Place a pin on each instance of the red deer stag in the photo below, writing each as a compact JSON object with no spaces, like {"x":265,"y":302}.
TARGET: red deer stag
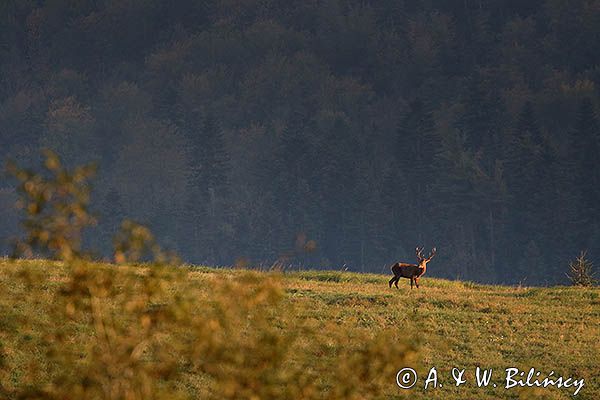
{"x":411,"y":271}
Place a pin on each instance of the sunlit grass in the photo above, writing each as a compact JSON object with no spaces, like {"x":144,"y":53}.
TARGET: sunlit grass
{"x":310,"y":330}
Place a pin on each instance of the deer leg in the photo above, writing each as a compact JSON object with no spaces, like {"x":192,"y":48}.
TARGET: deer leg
{"x":417,"y":282}
{"x":411,"y":283}
{"x":396,"y":282}
{"x":392,"y":280}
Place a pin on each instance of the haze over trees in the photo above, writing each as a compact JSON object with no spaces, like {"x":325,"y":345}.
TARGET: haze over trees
{"x":328,"y":133}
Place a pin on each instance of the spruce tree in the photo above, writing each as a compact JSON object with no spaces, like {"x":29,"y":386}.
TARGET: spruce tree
{"x":531,"y":179}
{"x":583,"y":156}
{"x":209,"y":186}
{"x":336,"y":158}
{"x":415,"y":153}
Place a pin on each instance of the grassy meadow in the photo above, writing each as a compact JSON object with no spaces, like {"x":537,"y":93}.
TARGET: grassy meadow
{"x":102,"y":331}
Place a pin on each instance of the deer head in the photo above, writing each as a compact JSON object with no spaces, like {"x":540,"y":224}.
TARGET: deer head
{"x":422,"y":259}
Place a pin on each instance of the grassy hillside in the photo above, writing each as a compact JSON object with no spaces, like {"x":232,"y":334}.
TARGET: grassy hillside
{"x":193,"y":332}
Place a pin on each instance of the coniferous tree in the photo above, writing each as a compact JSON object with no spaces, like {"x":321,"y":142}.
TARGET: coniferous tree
{"x":531,"y":182}
{"x":524,"y":157}
{"x":481,"y":120}
{"x":337,"y":189}
{"x":584,"y":155}
{"x":214,"y":158}
{"x":209,"y":185}
{"x":287,"y":172}
{"x":415,"y":153}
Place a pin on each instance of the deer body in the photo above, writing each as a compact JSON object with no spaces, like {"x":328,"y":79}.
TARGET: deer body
{"x":411,"y":271}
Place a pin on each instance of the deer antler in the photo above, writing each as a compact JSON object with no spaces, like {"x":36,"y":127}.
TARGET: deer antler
{"x":419,"y":251}
{"x":432,"y":254}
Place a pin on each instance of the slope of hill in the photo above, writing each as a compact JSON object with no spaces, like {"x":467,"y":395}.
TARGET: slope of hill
{"x":99,"y":331}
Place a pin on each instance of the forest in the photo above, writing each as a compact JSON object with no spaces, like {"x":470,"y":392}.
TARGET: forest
{"x":322,"y":134}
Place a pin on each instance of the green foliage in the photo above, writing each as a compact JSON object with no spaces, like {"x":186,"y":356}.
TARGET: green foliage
{"x":581,"y":271}
{"x":55,"y":203}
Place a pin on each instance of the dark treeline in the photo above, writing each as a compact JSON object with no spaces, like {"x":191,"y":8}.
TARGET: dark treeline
{"x":328,"y":132}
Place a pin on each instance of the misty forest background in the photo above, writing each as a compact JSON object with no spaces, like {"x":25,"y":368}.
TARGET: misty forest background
{"x":322,"y":133}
